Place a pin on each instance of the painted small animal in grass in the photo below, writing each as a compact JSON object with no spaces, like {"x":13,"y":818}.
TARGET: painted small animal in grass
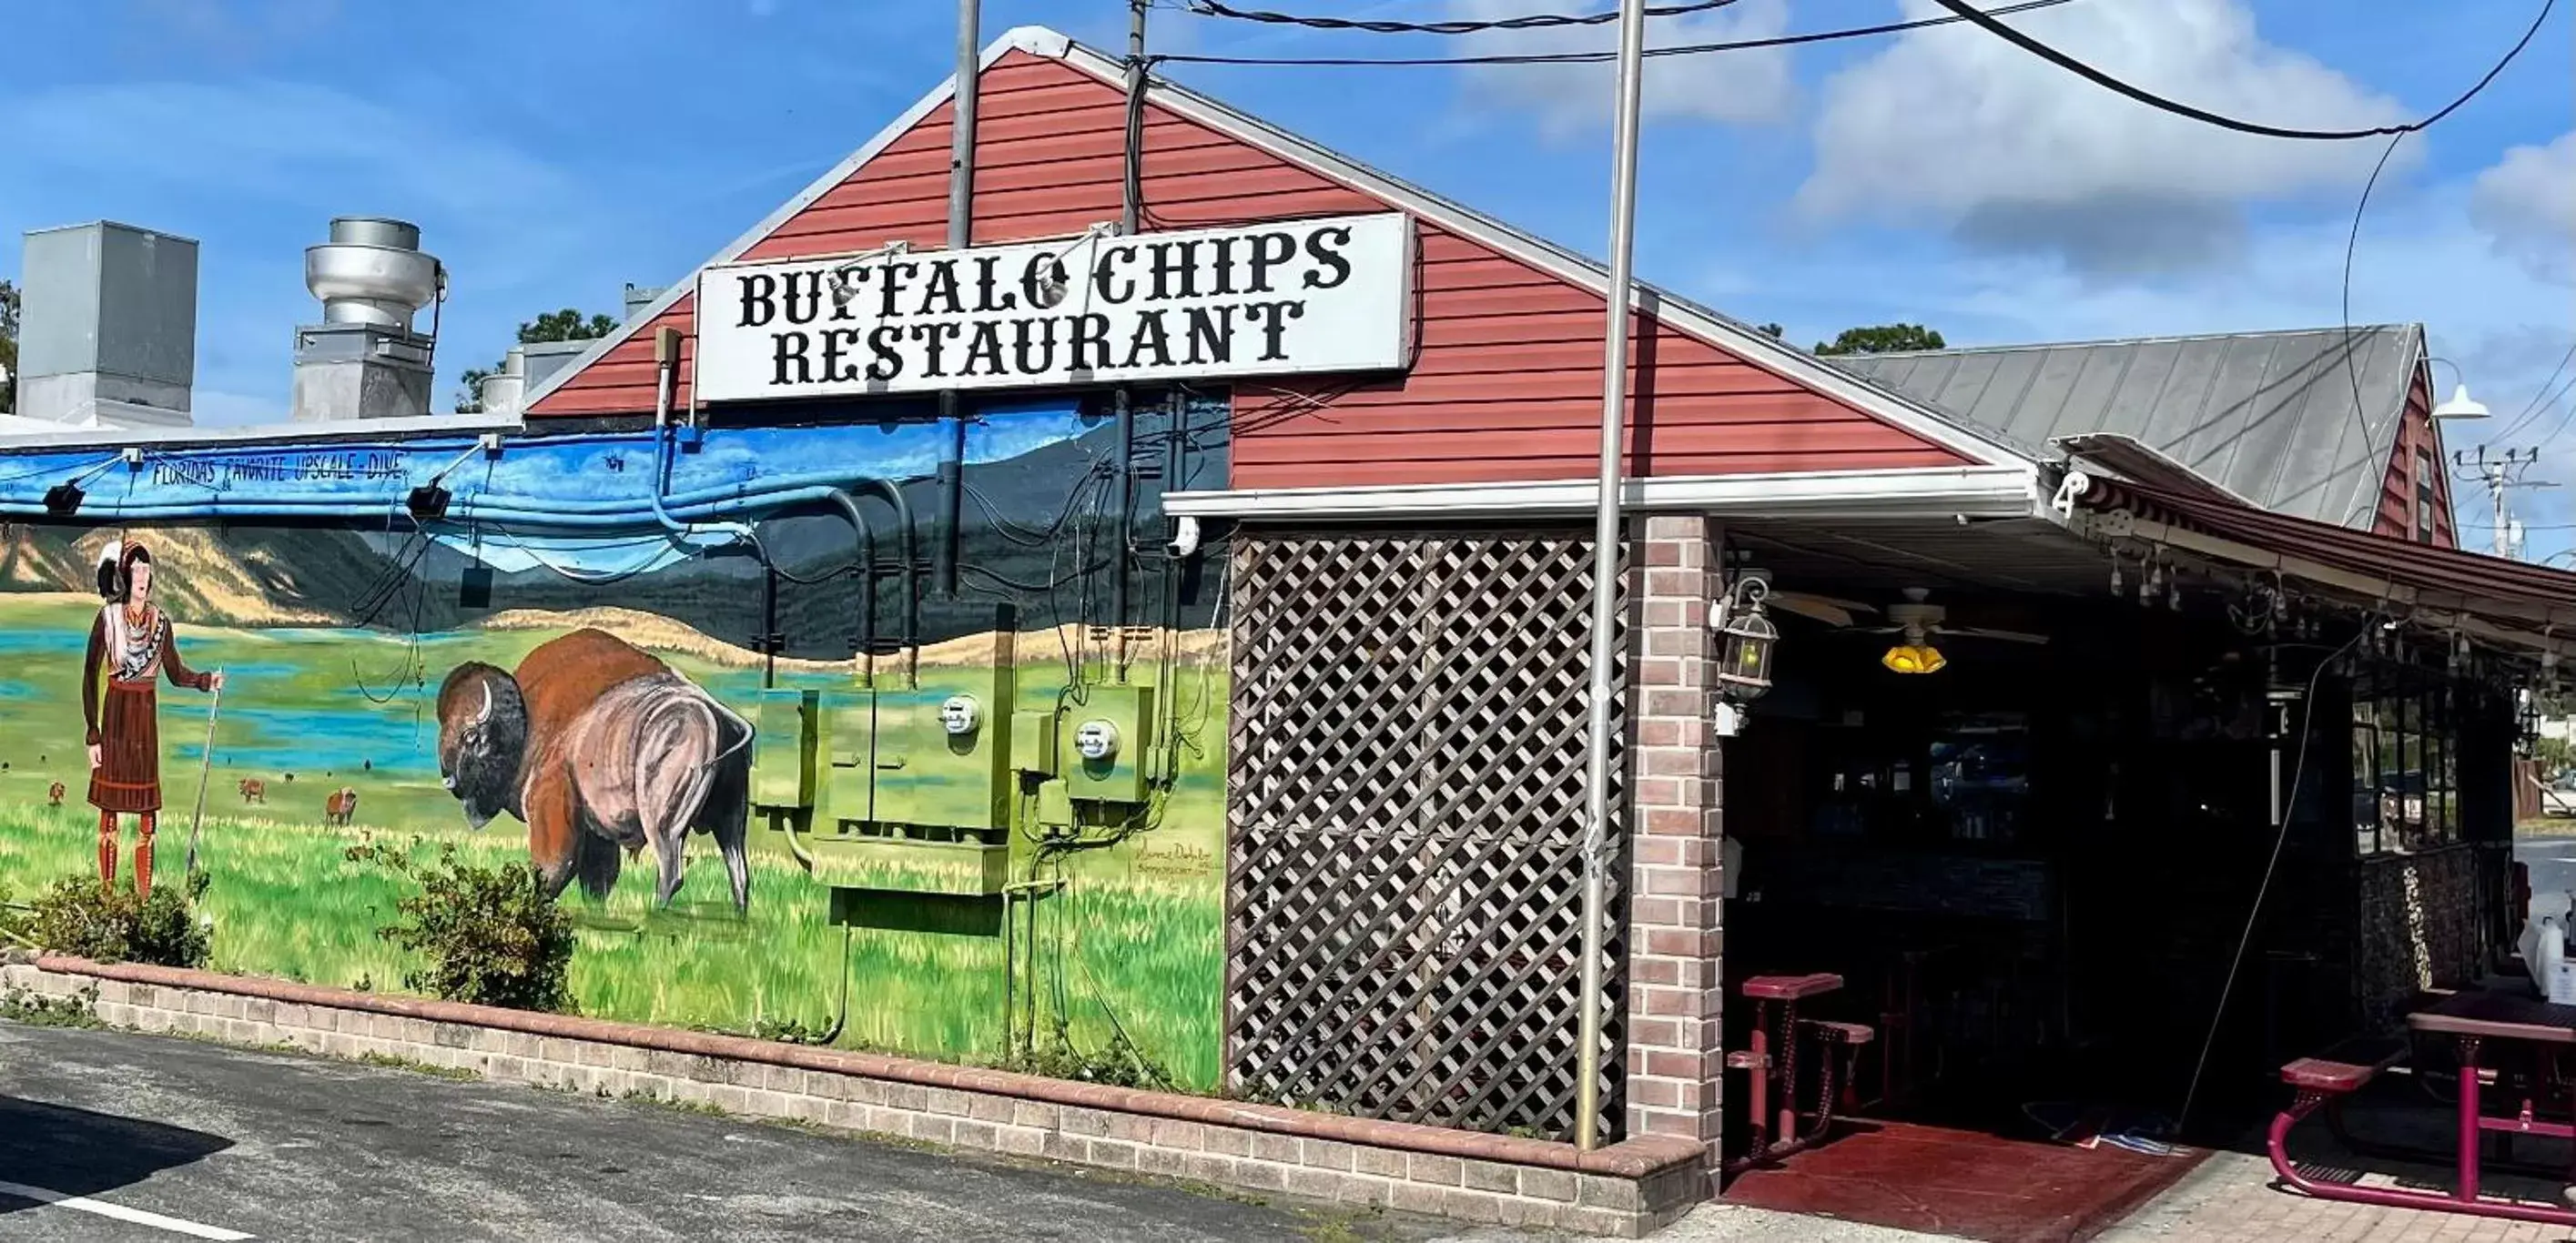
{"x":342,"y":805}
{"x":54,"y":795}
{"x":254,"y":790}
{"x":598,"y":746}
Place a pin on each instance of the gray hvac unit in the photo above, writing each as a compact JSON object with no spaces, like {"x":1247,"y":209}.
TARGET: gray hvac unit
{"x":109,"y":326}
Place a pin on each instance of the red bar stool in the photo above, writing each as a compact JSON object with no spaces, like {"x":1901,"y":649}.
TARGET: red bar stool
{"x":1776,"y":1025}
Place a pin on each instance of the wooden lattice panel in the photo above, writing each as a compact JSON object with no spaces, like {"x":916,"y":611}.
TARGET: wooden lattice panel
{"x":1405,"y":816}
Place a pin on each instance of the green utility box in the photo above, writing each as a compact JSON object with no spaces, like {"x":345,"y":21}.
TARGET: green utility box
{"x":905,"y":859}
{"x":782,"y":757}
{"x":1123,"y":776}
{"x":928,"y":776}
{"x":845,"y":764}
{"x":1033,"y":741}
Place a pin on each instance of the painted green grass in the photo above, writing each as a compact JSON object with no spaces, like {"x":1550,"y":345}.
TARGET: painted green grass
{"x":1134,"y":941}
{"x":285,"y":903}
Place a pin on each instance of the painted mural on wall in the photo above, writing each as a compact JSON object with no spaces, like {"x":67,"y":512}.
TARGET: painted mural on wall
{"x":744,"y":740}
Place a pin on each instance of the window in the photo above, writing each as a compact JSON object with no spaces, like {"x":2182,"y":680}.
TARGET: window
{"x":2427,"y":499}
{"x":2403,"y":770}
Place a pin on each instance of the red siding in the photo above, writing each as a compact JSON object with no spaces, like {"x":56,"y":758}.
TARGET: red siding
{"x":2416,"y":460}
{"x":1506,"y":384}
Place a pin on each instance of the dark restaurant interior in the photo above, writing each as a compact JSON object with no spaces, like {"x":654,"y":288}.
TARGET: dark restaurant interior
{"x":2032,"y":866}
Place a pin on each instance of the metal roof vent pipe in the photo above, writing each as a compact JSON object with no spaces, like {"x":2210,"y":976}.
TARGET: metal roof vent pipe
{"x":364,"y":361}
{"x":504,"y":391}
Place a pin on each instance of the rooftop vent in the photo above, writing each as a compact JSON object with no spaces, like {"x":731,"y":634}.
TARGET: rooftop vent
{"x":364,"y":361}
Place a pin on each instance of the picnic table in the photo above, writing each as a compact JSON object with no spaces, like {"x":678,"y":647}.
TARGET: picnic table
{"x":2473,"y":1020}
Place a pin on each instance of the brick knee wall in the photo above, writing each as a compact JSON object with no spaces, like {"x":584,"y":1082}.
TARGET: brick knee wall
{"x":1626,"y":1189}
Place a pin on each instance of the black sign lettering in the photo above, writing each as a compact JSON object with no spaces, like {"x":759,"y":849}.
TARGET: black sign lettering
{"x":1273,"y":318}
{"x":1211,"y":335}
{"x":1028,"y":333}
{"x":1104,"y":271}
{"x":1269,"y":250}
{"x":1090,"y":332}
{"x":759,"y":300}
{"x":845,"y":284}
{"x":1176,"y":270}
{"x":939,"y":297}
{"x":1324,"y":246}
{"x":804,"y":297}
{"x":1150,"y":334}
{"x":892,"y":286}
{"x":1094,"y":309}
{"x":985,"y":348}
{"x":988,"y":299}
{"x":1224,"y":248}
{"x":885,"y":341}
{"x":934,"y":339}
{"x":790,"y":352}
{"x":838,"y":367}
{"x":1044,"y":281}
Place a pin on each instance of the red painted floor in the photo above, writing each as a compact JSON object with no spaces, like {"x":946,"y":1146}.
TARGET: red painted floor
{"x":1964,"y":1183}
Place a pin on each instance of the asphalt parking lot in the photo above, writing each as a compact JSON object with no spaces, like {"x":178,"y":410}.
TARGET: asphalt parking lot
{"x":126,"y":1137}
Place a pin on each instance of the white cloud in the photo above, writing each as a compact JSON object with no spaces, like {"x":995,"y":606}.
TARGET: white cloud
{"x":2527,"y":205}
{"x":1956,"y":128}
{"x":1755,"y":86}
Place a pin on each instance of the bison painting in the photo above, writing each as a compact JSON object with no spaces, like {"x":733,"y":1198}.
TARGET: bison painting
{"x":254,"y":790}
{"x":597,"y":746}
{"x":342,"y":805}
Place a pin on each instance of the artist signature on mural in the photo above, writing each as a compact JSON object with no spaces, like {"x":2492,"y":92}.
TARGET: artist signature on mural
{"x":1175,"y":859}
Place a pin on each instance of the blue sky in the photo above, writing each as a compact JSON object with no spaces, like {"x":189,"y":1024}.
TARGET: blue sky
{"x":553,"y":150}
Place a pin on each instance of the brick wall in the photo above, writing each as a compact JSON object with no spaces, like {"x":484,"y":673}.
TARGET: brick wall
{"x":1675,"y":1062}
{"x":1625,"y":1189}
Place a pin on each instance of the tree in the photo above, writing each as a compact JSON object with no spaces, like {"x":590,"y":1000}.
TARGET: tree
{"x":1883,"y":339}
{"x":9,"y":346}
{"x":564,"y":325}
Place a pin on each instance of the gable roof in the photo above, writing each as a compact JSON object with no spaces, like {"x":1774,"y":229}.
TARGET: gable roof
{"x":1921,"y":419}
{"x":2298,"y":422}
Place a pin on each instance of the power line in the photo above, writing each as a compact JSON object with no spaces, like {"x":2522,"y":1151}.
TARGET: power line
{"x":1987,"y":22}
{"x":2565,"y":419}
{"x":1534,"y":21}
{"x":2541,"y":398}
{"x":2351,"y":242}
{"x":1595,"y":58}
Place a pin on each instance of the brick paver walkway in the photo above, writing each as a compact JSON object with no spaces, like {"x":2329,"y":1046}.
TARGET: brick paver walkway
{"x":2229,"y":1199}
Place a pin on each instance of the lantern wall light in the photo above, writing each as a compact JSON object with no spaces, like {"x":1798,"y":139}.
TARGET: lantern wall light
{"x":1746,"y":639}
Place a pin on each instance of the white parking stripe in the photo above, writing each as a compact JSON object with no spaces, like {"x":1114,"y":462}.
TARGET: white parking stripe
{"x":174,"y":1225}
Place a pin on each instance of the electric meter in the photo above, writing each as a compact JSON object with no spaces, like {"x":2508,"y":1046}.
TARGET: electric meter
{"x":1096,"y":741}
{"x":960,"y":715}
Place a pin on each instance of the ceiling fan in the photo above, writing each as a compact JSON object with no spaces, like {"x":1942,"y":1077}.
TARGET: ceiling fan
{"x":1915,"y":619}
{"x":1919,"y":620}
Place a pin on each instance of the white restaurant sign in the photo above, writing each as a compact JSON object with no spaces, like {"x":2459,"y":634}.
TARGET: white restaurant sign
{"x":1303,"y":296}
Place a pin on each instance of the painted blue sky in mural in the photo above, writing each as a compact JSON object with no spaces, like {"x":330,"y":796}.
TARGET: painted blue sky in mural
{"x":584,"y":502}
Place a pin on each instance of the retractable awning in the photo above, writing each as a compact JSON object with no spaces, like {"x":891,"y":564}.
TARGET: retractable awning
{"x":2502,"y":602}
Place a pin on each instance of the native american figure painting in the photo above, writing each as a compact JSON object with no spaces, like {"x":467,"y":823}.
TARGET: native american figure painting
{"x":130,"y":649}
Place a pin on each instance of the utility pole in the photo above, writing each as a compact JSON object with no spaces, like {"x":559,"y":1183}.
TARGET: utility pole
{"x":1606,"y":542}
{"x":2501,"y":473}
